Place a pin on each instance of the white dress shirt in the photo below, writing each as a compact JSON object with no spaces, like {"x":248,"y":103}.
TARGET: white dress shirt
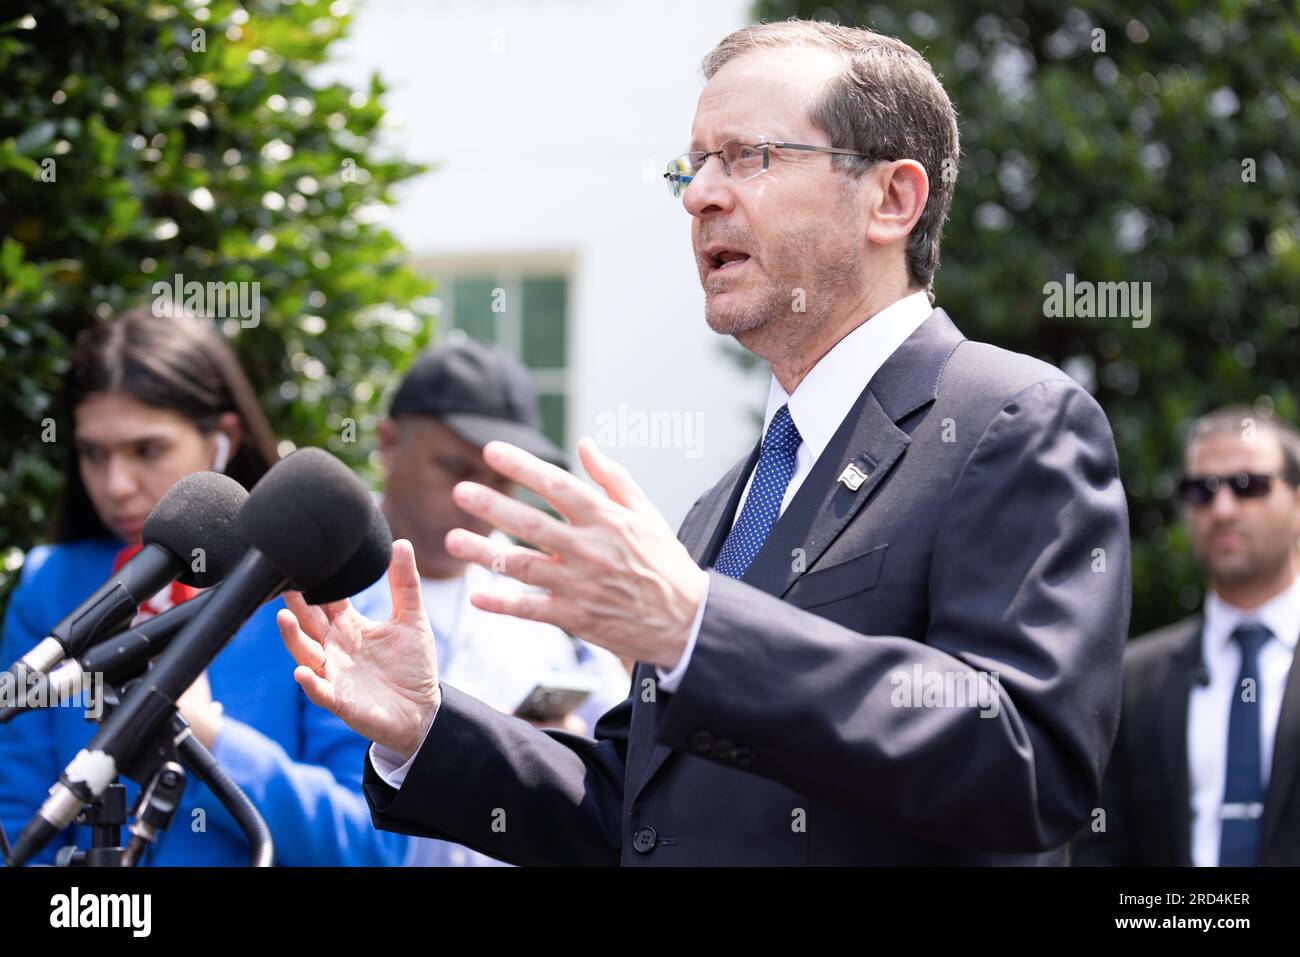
{"x":818,"y":407}
{"x":1209,"y":705}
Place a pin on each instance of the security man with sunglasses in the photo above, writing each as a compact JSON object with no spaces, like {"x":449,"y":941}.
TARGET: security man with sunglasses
{"x":1204,"y":771}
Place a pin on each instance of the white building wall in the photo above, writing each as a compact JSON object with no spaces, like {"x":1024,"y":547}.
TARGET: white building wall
{"x":550,"y":123}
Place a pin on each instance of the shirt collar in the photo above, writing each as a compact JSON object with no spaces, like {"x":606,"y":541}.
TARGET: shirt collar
{"x":1280,"y":614}
{"x":822,"y":400}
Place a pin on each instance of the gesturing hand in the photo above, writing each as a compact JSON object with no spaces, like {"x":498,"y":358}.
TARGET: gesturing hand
{"x":380,"y":677}
{"x":616,"y":574}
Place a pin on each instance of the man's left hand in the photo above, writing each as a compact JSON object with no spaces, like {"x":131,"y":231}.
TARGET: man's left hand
{"x":616,"y":574}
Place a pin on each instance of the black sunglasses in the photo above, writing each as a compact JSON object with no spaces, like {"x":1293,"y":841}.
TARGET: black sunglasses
{"x":1200,"y":490}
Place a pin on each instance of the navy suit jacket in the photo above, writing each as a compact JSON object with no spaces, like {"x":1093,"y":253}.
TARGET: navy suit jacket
{"x":989,"y":536}
{"x":1146,"y":793}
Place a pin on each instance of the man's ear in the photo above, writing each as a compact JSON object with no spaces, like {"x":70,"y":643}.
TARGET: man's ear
{"x":899,"y":201}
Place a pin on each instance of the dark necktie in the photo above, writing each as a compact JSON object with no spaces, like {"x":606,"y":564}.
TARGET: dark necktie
{"x":1243,"y":791}
{"x":763,"y":503}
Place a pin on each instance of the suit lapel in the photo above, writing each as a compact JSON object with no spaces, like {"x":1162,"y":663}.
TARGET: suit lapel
{"x":868,"y":438}
{"x":1286,"y":756}
{"x":1185,"y":669}
{"x":823,"y":506}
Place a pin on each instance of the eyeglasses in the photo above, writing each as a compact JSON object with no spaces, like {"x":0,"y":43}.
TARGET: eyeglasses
{"x":747,"y":160}
{"x":1200,"y":490}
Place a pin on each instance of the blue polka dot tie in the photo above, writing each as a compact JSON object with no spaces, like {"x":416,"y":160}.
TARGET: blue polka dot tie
{"x":1243,"y":792}
{"x":763,"y":503}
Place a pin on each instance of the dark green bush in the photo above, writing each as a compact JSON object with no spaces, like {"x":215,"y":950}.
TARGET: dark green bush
{"x":142,"y":140}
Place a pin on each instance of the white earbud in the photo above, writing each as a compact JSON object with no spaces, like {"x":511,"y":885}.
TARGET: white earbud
{"x":220,"y":460}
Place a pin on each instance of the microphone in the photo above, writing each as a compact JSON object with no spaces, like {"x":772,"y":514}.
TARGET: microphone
{"x":124,"y":656}
{"x":117,"y":658}
{"x":301,"y":523}
{"x":366,"y":566}
{"x":197,"y":513}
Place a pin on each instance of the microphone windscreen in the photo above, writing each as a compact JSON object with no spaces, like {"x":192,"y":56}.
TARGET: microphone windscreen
{"x":307,"y":515}
{"x":199,"y":512}
{"x":366,"y":566}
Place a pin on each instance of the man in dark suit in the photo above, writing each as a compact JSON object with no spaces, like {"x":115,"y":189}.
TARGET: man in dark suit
{"x":891,"y":634}
{"x":1204,"y":771}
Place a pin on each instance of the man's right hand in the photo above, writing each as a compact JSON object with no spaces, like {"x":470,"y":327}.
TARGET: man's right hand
{"x":381,"y":678}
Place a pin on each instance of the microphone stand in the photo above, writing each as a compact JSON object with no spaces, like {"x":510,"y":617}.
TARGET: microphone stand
{"x":160,"y":772}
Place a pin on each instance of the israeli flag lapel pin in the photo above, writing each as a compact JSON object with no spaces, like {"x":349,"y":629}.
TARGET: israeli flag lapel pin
{"x":852,"y":478}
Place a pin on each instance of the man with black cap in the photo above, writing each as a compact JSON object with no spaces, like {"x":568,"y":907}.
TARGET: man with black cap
{"x":453,"y":401}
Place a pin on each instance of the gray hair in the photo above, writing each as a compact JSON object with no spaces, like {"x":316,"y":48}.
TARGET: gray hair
{"x":886,"y":102}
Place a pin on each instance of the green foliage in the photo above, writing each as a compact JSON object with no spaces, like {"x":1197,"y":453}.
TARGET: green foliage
{"x":193,"y":138}
{"x":1169,"y":158}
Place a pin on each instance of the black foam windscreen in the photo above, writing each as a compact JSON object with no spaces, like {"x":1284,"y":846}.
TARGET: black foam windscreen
{"x":366,"y":566}
{"x":307,"y":515}
{"x":199,"y":512}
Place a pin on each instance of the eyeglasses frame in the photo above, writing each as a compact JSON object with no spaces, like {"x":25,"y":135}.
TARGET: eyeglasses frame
{"x":766,"y":146}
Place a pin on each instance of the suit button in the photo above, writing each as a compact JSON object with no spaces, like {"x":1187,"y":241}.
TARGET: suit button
{"x":645,"y":839}
{"x":702,"y":742}
{"x":743,"y":757}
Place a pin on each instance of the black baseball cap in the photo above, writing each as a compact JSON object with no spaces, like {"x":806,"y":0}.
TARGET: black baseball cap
{"x":479,"y":392}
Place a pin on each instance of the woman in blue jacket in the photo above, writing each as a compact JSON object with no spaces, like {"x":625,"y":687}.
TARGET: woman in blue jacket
{"x":150,"y":400}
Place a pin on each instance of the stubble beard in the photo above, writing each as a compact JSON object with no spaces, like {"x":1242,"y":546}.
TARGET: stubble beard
{"x":1259,"y":562}
{"x":766,"y":320}
{"x":746,"y":313}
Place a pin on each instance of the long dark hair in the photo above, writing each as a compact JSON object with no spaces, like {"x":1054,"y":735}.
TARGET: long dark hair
{"x":173,"y":362}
